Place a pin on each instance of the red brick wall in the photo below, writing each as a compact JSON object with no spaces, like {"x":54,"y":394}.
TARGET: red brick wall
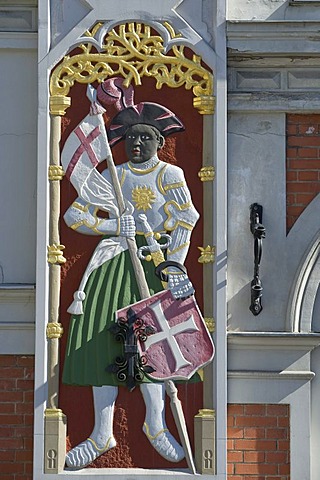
{"x":258,"y":435}
{"x":16,"y":417}
{"x":303,"y":163}
{"x":258,"y":442}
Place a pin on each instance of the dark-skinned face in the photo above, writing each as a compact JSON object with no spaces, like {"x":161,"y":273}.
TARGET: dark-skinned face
{"x":142,"y":143}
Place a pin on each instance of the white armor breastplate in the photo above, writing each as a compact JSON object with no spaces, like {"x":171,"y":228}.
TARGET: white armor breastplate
{"x":143,"y":189}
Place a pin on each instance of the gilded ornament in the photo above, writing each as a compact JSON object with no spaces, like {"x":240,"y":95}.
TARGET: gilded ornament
{"x":55,"y":172}
{"x":132,"y":51}
{"x":207,"y":174}
{"x":206,"y":412}
{"x":157,"y":257}
{"x":54,"y":330}
{"x":211,"y":324}
{"x":55,"y":254}
{"x":205,"y":104}
{"x":207,"y":254}
{"x":59,"y":104}
{"x":53,"y":413}
{"x":143,"y":197}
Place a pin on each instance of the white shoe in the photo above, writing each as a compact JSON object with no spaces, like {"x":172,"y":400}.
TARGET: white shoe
{"x":86,"y":452}
{"x":165,"y":444}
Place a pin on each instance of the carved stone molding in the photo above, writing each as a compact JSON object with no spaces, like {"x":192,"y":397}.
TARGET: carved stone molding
{"x":252,"y":79}
{"x":17,"y":293}
{"x":18,"y":18}
{"x":277,"y":37}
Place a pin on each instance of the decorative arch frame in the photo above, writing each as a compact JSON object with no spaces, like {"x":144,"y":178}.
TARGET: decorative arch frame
{"x":132,"y":52}
{"x":306,"y":289}
{"x":304,"y":269}
{"x":161,"y":56}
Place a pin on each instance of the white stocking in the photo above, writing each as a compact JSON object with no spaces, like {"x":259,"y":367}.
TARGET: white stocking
{"x":155,"y":426}
{"x":104,"y":400}
{"x":101,"y":439}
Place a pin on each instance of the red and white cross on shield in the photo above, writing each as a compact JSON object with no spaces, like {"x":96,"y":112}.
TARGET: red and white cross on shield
{"x":181,"y":343}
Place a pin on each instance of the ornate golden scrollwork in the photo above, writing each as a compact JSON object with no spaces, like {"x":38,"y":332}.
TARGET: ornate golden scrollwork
{"x":211,"y":324}
{"x":55,"y":172}
{"x":54,"y":330}
{"x":207,"y":254}
{"x":132,"y":51}
{"x":207,"y":174}
{"x":55,"y":254}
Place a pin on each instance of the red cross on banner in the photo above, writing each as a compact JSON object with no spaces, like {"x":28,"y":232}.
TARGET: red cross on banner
{"x":85,"y":146}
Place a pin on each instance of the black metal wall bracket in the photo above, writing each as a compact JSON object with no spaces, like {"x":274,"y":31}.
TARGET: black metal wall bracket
{"x":259,"y":232}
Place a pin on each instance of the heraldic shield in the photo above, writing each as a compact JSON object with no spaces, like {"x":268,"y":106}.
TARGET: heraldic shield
{"x":170,"y":336}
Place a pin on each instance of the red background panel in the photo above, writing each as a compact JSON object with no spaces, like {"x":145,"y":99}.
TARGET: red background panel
{"x":185,"y":150}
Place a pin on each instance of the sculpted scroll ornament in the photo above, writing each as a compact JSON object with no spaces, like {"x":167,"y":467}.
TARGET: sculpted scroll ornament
{"x":133,"y":51}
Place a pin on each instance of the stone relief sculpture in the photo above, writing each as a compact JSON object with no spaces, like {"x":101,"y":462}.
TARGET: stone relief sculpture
{"x":144,"y":198}
{"x":114,"y":206}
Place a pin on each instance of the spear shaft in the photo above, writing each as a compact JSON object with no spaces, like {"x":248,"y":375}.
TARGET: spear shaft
{"x":131,"y":242}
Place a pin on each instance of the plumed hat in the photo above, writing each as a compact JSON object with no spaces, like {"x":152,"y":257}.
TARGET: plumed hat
{"x":147,"y":113}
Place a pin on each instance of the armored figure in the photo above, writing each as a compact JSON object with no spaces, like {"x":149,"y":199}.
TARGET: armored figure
{"x":157,"y":191}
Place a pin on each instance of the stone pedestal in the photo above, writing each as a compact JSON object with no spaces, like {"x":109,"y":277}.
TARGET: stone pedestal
{"x":204,"y":439}
{"x":55,"y":441}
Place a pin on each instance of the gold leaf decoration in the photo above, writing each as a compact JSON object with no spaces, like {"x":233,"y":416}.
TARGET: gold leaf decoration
{"x":143,"y":197}
{"x":207,"y":174}
{"x":132,"y":51}
{"x":55,"y":254}
{"x":54,"y":330}
{"x":207,"y":254}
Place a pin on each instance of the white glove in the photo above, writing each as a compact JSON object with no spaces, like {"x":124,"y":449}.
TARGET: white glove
{"x":179,"y":283}
{"x":127,"y":226}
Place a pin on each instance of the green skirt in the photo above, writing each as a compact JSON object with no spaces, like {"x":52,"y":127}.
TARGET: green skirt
{"x":91,"y":348}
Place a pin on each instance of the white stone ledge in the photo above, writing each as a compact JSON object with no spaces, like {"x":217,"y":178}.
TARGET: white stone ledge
{"x":19,"y":40}
{"x":17,"y":338}
{"x":273,"y":36}
{"x":17,"y":326}
{"x":307,"y":102}
{"x":273,"y":340}
{"x":248,"y":60}
{"x":304,"y":2}
{"x":127,"y":474}
{"x":17,"y":293}
{"x":260,"y":375}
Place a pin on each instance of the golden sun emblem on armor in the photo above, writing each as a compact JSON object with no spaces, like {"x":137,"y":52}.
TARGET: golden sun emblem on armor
{"x":143,"y":197}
